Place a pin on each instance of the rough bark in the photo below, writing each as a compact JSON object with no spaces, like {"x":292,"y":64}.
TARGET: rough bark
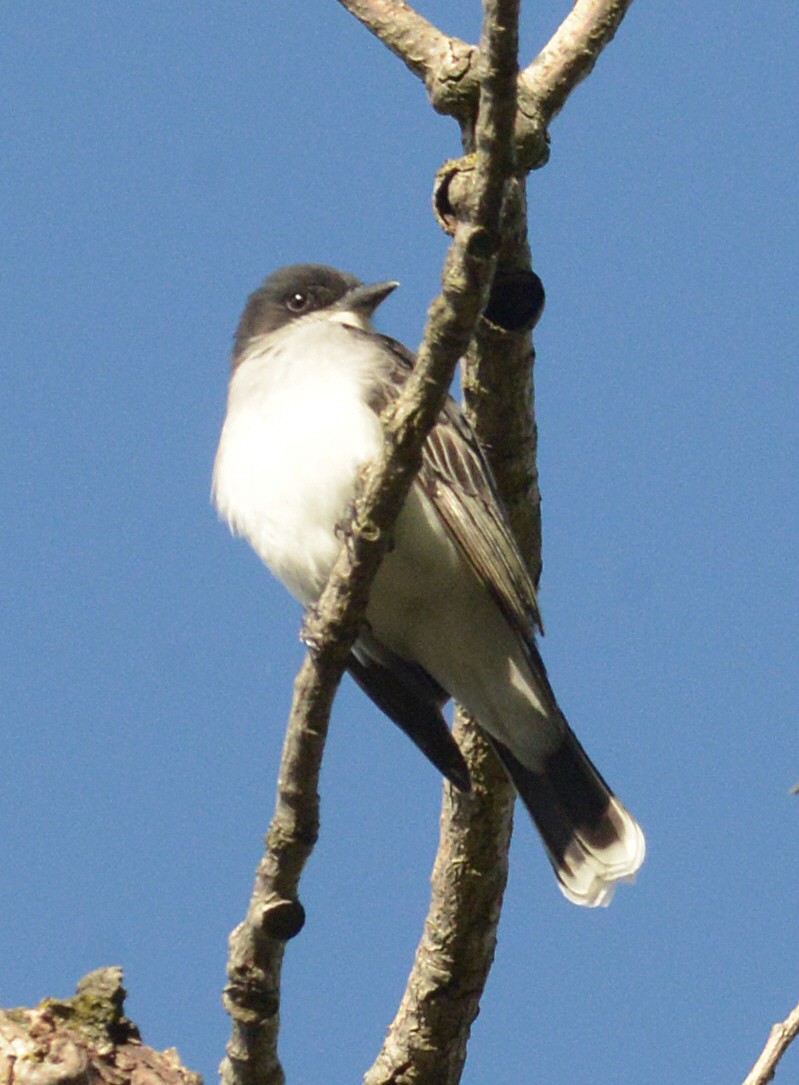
{"x":84,"y":1040}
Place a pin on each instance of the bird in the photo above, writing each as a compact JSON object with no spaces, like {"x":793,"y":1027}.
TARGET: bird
{"x":453,"y":612}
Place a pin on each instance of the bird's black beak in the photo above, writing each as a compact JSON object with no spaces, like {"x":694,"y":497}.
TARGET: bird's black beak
{"x":366,"y":298}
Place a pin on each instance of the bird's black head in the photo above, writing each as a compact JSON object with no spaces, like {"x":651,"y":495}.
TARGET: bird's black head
{"x":295,"y":291}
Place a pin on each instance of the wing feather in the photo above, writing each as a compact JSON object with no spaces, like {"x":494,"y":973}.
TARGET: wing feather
{"x":456,"y":477}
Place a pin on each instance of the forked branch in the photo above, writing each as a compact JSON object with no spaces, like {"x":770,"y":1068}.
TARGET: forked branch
{"x":450,"y":67}
{"x":252,"y":996}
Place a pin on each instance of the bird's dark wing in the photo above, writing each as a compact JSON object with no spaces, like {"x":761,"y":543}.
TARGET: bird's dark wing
{"x":413,"y":700}
{"x":456,"y":477}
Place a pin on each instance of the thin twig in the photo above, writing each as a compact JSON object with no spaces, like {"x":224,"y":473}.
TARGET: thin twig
{"x":252,"y":996}
{"x":780,"y":1039}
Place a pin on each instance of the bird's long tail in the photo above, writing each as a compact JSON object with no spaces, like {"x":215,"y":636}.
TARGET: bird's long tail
{"x":592,"y":841}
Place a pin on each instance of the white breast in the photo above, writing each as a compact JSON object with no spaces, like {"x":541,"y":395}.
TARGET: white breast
{"x":296,"y":431}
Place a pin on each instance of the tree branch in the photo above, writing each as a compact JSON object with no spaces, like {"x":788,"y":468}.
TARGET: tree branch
{"x":568,"y":58}
{"x":450,"y":67}
{"x":426,"y":1042}
{"x":274,"y":915}
{"x":446,"y":65}
{"x":780,"y":1039}
{"x":84,"y":1040}
{"x":252,"y":995}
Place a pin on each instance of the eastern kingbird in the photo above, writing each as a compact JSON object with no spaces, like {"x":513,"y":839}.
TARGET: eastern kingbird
{"x":453,"y":612}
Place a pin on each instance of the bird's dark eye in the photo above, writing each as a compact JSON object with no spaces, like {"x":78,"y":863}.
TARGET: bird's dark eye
{"x":298,"y":301}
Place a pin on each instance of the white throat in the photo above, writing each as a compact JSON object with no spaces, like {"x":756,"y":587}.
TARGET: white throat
{"x":298,"y":427}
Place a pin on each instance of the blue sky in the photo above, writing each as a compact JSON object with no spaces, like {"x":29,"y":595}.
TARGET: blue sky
{"x":161,"y":159}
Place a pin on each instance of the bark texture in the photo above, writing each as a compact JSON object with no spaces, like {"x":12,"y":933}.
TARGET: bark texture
{"x":484,"y":315}
{"x":84,"y":1040}
{"x":780,"y":1039}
